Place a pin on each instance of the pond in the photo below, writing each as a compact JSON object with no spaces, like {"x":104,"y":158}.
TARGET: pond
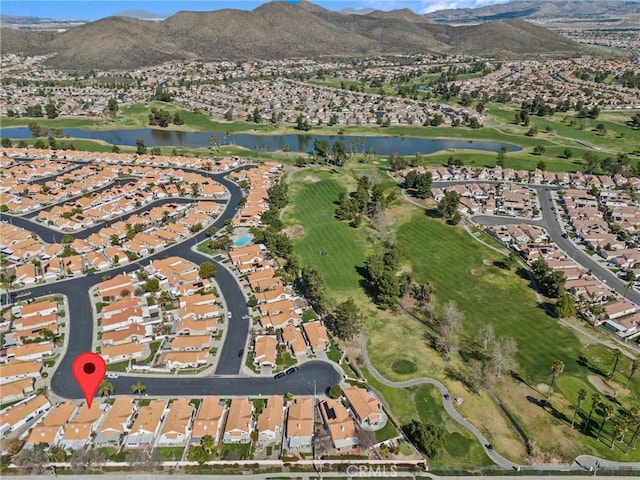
{"x":380,"y":145}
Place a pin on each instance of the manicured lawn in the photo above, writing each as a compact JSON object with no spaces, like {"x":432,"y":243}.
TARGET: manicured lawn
{"x":112,"y":454}
{"x":118,"y":366}
{"x":404,"y":367}
{"x":171,"y":454}
{"x":333,"y":353}
{"x":386,"y":432}
{"x":312,"y":207}
{"x":234,"y":451}
{"x":497,"y":297}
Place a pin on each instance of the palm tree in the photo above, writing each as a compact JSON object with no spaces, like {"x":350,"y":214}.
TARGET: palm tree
{"x":556,"y":369}
{"x":208,"y":443}
{"x":607,"y":413}
{"x":582,"y":395}
{"x":138,"y":388}
{"x":634,"y":369}
{"x":595,"y":401}
{"x":106,"y":388}
{"x":619,"y":431}
{"x":617,"y":354}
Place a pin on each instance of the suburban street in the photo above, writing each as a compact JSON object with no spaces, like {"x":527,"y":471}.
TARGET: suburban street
{"x":551,"y":224}
{"x":81,"y":326}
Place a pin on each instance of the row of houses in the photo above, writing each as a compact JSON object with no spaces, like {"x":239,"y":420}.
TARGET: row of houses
{"x":594,"y":300}
{"x":125,"y":423}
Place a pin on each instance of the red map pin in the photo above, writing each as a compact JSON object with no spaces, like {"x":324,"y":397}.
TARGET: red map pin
{"x":89,"y":369}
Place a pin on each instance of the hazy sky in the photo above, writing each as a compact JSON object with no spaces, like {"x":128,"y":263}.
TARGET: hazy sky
{"x":92,"y":10}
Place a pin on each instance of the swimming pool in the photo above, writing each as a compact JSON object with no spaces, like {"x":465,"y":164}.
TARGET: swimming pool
{"x":243,"y":240}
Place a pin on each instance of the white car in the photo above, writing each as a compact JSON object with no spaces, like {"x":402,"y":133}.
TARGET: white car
{"x":112,"y":375}
{"x":229,"y":314}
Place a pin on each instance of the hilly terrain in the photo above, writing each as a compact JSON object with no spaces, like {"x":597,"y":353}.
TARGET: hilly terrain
{"x":276,"y":30}
{"x":542,"y":11}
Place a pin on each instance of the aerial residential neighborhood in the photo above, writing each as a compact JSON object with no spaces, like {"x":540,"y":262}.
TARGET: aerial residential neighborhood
{"x":298,"y":239}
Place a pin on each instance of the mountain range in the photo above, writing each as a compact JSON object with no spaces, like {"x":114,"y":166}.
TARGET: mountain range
{"x":276,"y":30}
{"x":540,"y":11}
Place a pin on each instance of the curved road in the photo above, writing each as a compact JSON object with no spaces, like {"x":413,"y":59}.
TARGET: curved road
{"x":448,"y":405}
{"x":81,"y":330}
{"x":555,"y":230}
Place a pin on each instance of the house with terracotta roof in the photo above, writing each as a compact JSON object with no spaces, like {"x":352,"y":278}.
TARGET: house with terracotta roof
{"x":11,"y":392}
{"x":131,"y":334}
{"x":265,"y":351}
{"x":177,"y":424}
{"x":30,"y":351}
{"x":365,"y":408}
{"x":79,"y":431}
{"x":15,"y":370}
{"x":16,"y":416}
{"x":115,"y":422}
{"x":188,"y":326}
{"x":270,"y":420}
{"x":209,"y":419}
{"x":188,"y":359}
{"x":49,"y":431}
{"x":119,"y":353}
{"x":146,"y":425}
{"x":116,"y":285}
{"x":300,"y":424}
{"x":26,"y":274}
{"x":341,"y":426}
{"x":293,"y":339}
{"x":185,"y":343}
{"x":125,"y":318}
{"x":36,"y":309}
{"x":317,"y":335}
{"x":240,"y":423}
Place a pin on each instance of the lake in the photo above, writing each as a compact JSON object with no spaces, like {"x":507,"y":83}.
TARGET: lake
{"x":381,"y":145}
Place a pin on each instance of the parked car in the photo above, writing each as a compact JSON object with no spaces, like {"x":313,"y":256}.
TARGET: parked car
{"x":229,"y":314}
{"x":112,"y":375}
{"x":279,"y":375}
{"x":291,"y":370}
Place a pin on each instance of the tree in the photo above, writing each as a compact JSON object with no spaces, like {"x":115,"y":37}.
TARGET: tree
{"x":595,"y":402}
{"x":5,"y":142}
{"x":106,"y":388}
{"x":607,"y":413}
{"x":487,"y":334}
{"x":619,"y":431}
{"x":208,"y":443}
{"x":448,"y":206}
{"x":347,"y":319}
{"x":617,"y":354}
{"x":582,"y":396}
{"x":335,"y":391}
{"x":556,"y":369}
{"x":56,"y":454}
{"x":138,"y":388}
{"x":539,"y":150}
{"x":140,"y":147}
{"x":207,"y":270}
{"x":312,"y":286}
{"x":112,"y":106}
{"x":565,"y":306}
{"x":502,"y":355}
{"x":568,"y":153}
{"x":228,"y":115}
{"x":197,"y":454}
{"x":51,"y":109}
{"x":634,"y":369}
{"x":31,"y":461}
{"x":427,"y":437}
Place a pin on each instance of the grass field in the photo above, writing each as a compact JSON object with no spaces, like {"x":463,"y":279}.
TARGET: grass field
{"x":445,"y":256}
{"x":312,"y":207}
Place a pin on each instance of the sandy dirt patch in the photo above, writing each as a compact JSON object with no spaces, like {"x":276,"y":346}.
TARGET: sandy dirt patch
{"x":488,"y":262}
{"x":477,"y":273}
{"x":601,"y":385}
{"x":294,"y":232}
{"x":543,"y":388}
{"x":311,"y":179}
